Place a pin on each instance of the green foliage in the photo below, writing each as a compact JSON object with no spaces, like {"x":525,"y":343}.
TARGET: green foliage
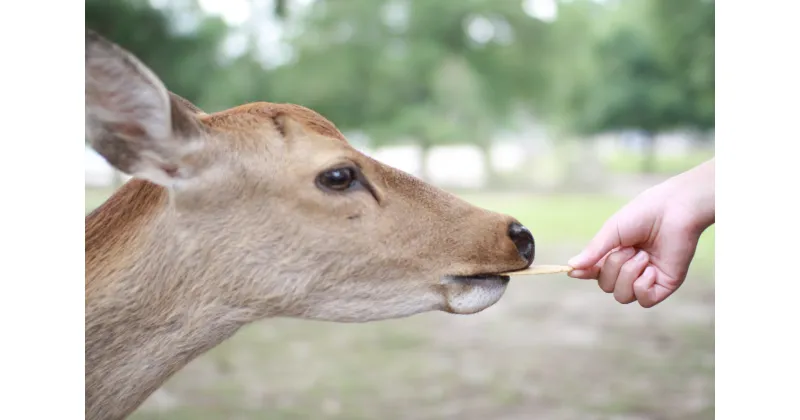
{"x":684,"y":35}
{"x":438,"y":72}
{"x":409,"y":68}
{"x":647,"y":65}
{"x":187,"y":60}
{"x":634,"y":90}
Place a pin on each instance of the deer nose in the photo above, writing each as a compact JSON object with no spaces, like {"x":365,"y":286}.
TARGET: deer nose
{"x":523,"y":239}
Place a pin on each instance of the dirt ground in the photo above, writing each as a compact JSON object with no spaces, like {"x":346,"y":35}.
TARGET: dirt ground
{"x":553,"y":348}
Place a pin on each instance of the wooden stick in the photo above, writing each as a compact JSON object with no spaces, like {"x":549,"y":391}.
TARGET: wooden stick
{"x":540,"y":269}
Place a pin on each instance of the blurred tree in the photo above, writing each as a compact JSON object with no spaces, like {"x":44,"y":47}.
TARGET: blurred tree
{"x":280,"y":8}
{"x":634,"y":91}
{"x":184,"y":61}
{"x":431,"y":72}
{"x":183,"y":46}
{"x":569,"y":61}
{"x":437,"y":72}
{"x":644,"y":73}
{"x":683,"y":31}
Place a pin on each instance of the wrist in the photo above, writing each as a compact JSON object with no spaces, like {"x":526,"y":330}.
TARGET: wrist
{"x":697,"y":185}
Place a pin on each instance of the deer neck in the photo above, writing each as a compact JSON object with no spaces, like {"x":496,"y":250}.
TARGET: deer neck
{"x":144,"y":319}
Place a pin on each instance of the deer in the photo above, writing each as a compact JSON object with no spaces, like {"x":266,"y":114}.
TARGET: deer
{"x":260,"y":211}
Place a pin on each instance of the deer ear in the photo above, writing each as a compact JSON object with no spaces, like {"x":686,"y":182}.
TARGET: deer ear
{"x":132,"y":120}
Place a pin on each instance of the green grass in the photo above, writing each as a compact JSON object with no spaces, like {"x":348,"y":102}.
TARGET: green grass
{"x":631,"y":163}
{"x":553,"y":218}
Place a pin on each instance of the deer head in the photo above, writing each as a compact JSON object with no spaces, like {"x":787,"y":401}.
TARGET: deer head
{"x":261,"y":210}
{"x":283,"y":215}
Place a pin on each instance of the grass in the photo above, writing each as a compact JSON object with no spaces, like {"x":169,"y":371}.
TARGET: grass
{"x":553,"y":218}
{"x":631,"y":163}
{"x":552,"y":348}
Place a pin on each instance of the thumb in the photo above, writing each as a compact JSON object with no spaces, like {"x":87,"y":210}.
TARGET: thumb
{"x":603,"y":242}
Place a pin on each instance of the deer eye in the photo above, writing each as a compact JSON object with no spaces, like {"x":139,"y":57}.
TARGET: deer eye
{"x":339,"y":179}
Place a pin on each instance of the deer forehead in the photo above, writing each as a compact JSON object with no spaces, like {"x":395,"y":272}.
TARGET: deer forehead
{"x":253,"y":129}
{"x":255,"y":132}
{"x":246,"y":121}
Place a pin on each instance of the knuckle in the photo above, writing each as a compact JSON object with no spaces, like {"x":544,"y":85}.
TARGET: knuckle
{"x":626,"y":301}
{"x":616,"y":259}
{"x":623,"y":298}
{"x":631,"y":268}
{"x":619,"y":258}
{"x":646,"y":304}
{"x":607,"y":287}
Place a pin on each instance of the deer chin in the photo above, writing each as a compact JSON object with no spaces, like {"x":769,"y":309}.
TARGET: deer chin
{"x":471,"y":294}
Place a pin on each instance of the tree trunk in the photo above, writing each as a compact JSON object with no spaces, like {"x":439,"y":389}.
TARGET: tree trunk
{"x":424,"y":168}
{"x":280,"y":8}
{"x":491,"y":174}
{"x":649,"y":159}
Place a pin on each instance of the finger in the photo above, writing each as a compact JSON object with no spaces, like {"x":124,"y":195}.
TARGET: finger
{"x":630,"y":271}
{"x":610,"y":269}
{"x":603,"y":242}
{"x":590,"y":273}
{"x":647,"y":290}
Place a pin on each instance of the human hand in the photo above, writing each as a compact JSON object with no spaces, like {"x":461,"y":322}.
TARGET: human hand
{"x":643,"y":252}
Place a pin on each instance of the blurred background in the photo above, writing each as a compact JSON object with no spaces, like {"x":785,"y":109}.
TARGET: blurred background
{"x":554,"y":111}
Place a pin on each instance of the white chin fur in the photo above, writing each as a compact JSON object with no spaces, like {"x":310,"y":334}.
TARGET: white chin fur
{"x":461,"y":296}
{"x":351,"y":309}
{"x":471,"y":295}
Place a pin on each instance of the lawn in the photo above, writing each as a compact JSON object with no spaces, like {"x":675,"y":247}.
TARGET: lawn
{"x":553,"y":348}
{"x":631,"y":163}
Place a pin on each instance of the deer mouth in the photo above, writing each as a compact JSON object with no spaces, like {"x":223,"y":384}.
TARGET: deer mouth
{"x":477,"y":279}
{"x":473,"y":293}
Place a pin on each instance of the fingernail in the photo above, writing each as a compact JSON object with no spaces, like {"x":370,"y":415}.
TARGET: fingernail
{"x":641,"y":256}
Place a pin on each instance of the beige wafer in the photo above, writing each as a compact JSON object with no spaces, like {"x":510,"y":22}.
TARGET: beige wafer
{"x":540,"y":269}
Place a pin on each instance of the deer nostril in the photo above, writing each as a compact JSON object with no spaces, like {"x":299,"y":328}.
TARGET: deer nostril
{"x":523,"y":240}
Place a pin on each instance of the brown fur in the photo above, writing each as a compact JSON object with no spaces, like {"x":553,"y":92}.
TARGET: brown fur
{"x":225,"y":225}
